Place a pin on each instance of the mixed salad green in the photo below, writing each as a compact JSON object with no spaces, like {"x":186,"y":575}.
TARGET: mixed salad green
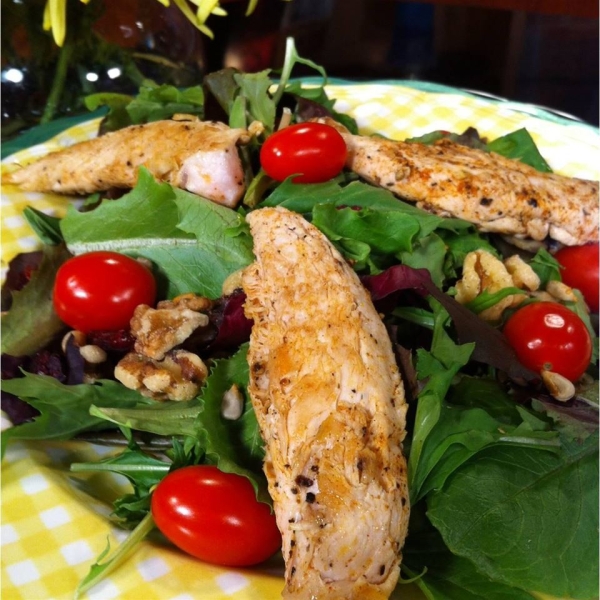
{"x":503,"y":478}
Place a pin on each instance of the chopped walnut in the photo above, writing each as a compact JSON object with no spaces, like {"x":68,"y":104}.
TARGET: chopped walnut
{"x":561,"y":291}
{"x":159,"y":330}
{"x":191,"y":301}
{"x":177,"y":377}
{"x":484,"y":272}
{"x":523,"y":276}
{"x":232,"y":283}
{"x":543,"y":296}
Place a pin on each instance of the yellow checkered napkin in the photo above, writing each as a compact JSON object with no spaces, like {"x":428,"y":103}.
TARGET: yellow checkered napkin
{"x":54,"y":526}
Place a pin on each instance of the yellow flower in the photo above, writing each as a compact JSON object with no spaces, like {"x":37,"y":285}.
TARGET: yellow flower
{"x":55,"y":15}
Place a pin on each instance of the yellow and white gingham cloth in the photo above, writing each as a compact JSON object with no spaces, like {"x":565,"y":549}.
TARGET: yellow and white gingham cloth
{"x":54,"y":525}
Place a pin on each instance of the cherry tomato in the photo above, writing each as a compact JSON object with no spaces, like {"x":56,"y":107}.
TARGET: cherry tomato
{"x":580,"y":270}
{"x":315,"y":151}
{"x":100,"y":290}
{"x":215,"y":517}
{"x":549,"y":336}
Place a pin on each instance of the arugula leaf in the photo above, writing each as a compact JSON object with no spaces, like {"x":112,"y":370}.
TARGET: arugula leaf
{"x":102,"y":568}
{"x":546,"y":267}
{"x":437,"y":368}
{"x":255,"y":88}
{"x":64,"y":409}
{"x":487,"y":299}
{"x":186,"y":237}
{"x":161,"y":418}
{"x":534,"y":524}
{"x":31,"y":322}
{"x":234,"y":446}
{"x":520,"y":145}
{"x":290,"y":59}
{"x":142,"y":470}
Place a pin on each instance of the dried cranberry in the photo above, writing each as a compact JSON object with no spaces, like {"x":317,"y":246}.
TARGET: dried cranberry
{"x":119,"y":340}
{"x":233,"y":326}
{"x":47,"y":363}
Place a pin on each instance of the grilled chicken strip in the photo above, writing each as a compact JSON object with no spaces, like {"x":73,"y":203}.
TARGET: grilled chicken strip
{"x":197,"y":156}
{"x":496,"y":194}
{"x":330,"y":404}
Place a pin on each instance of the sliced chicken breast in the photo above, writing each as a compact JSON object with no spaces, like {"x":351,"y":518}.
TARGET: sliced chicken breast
{"x":331,"y":408}
{"x":197,"y":156}
{"x":496,"y":194}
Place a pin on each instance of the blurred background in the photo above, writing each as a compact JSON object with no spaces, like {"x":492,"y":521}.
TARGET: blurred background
{"x":543,"y":52}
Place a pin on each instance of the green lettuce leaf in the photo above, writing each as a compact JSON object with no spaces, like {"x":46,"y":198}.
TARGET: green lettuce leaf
{"x":31,"y":322}
{"x":189,"y":239}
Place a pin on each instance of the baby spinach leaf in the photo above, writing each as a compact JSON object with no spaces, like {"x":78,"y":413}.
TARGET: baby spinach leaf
{"x":221,"y":88}
{"x":462,"y":432}
{"x":46,"y":227}
{"x":520,"y":145}
{"x":525,"y":517}
{"x":443,"y":575}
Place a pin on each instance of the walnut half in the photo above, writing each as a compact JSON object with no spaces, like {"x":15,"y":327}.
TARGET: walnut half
{"x":158,"y":330}
{"x":178,"y":376}
{"x":484,"y":272}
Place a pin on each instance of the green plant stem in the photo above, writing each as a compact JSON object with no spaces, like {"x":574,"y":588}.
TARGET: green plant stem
{"x":58,"y":83}
{"x":102,"y":569}
{"x":87,"y":467}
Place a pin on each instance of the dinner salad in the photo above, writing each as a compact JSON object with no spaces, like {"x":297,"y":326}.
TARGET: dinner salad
{"x":502,"y":440}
